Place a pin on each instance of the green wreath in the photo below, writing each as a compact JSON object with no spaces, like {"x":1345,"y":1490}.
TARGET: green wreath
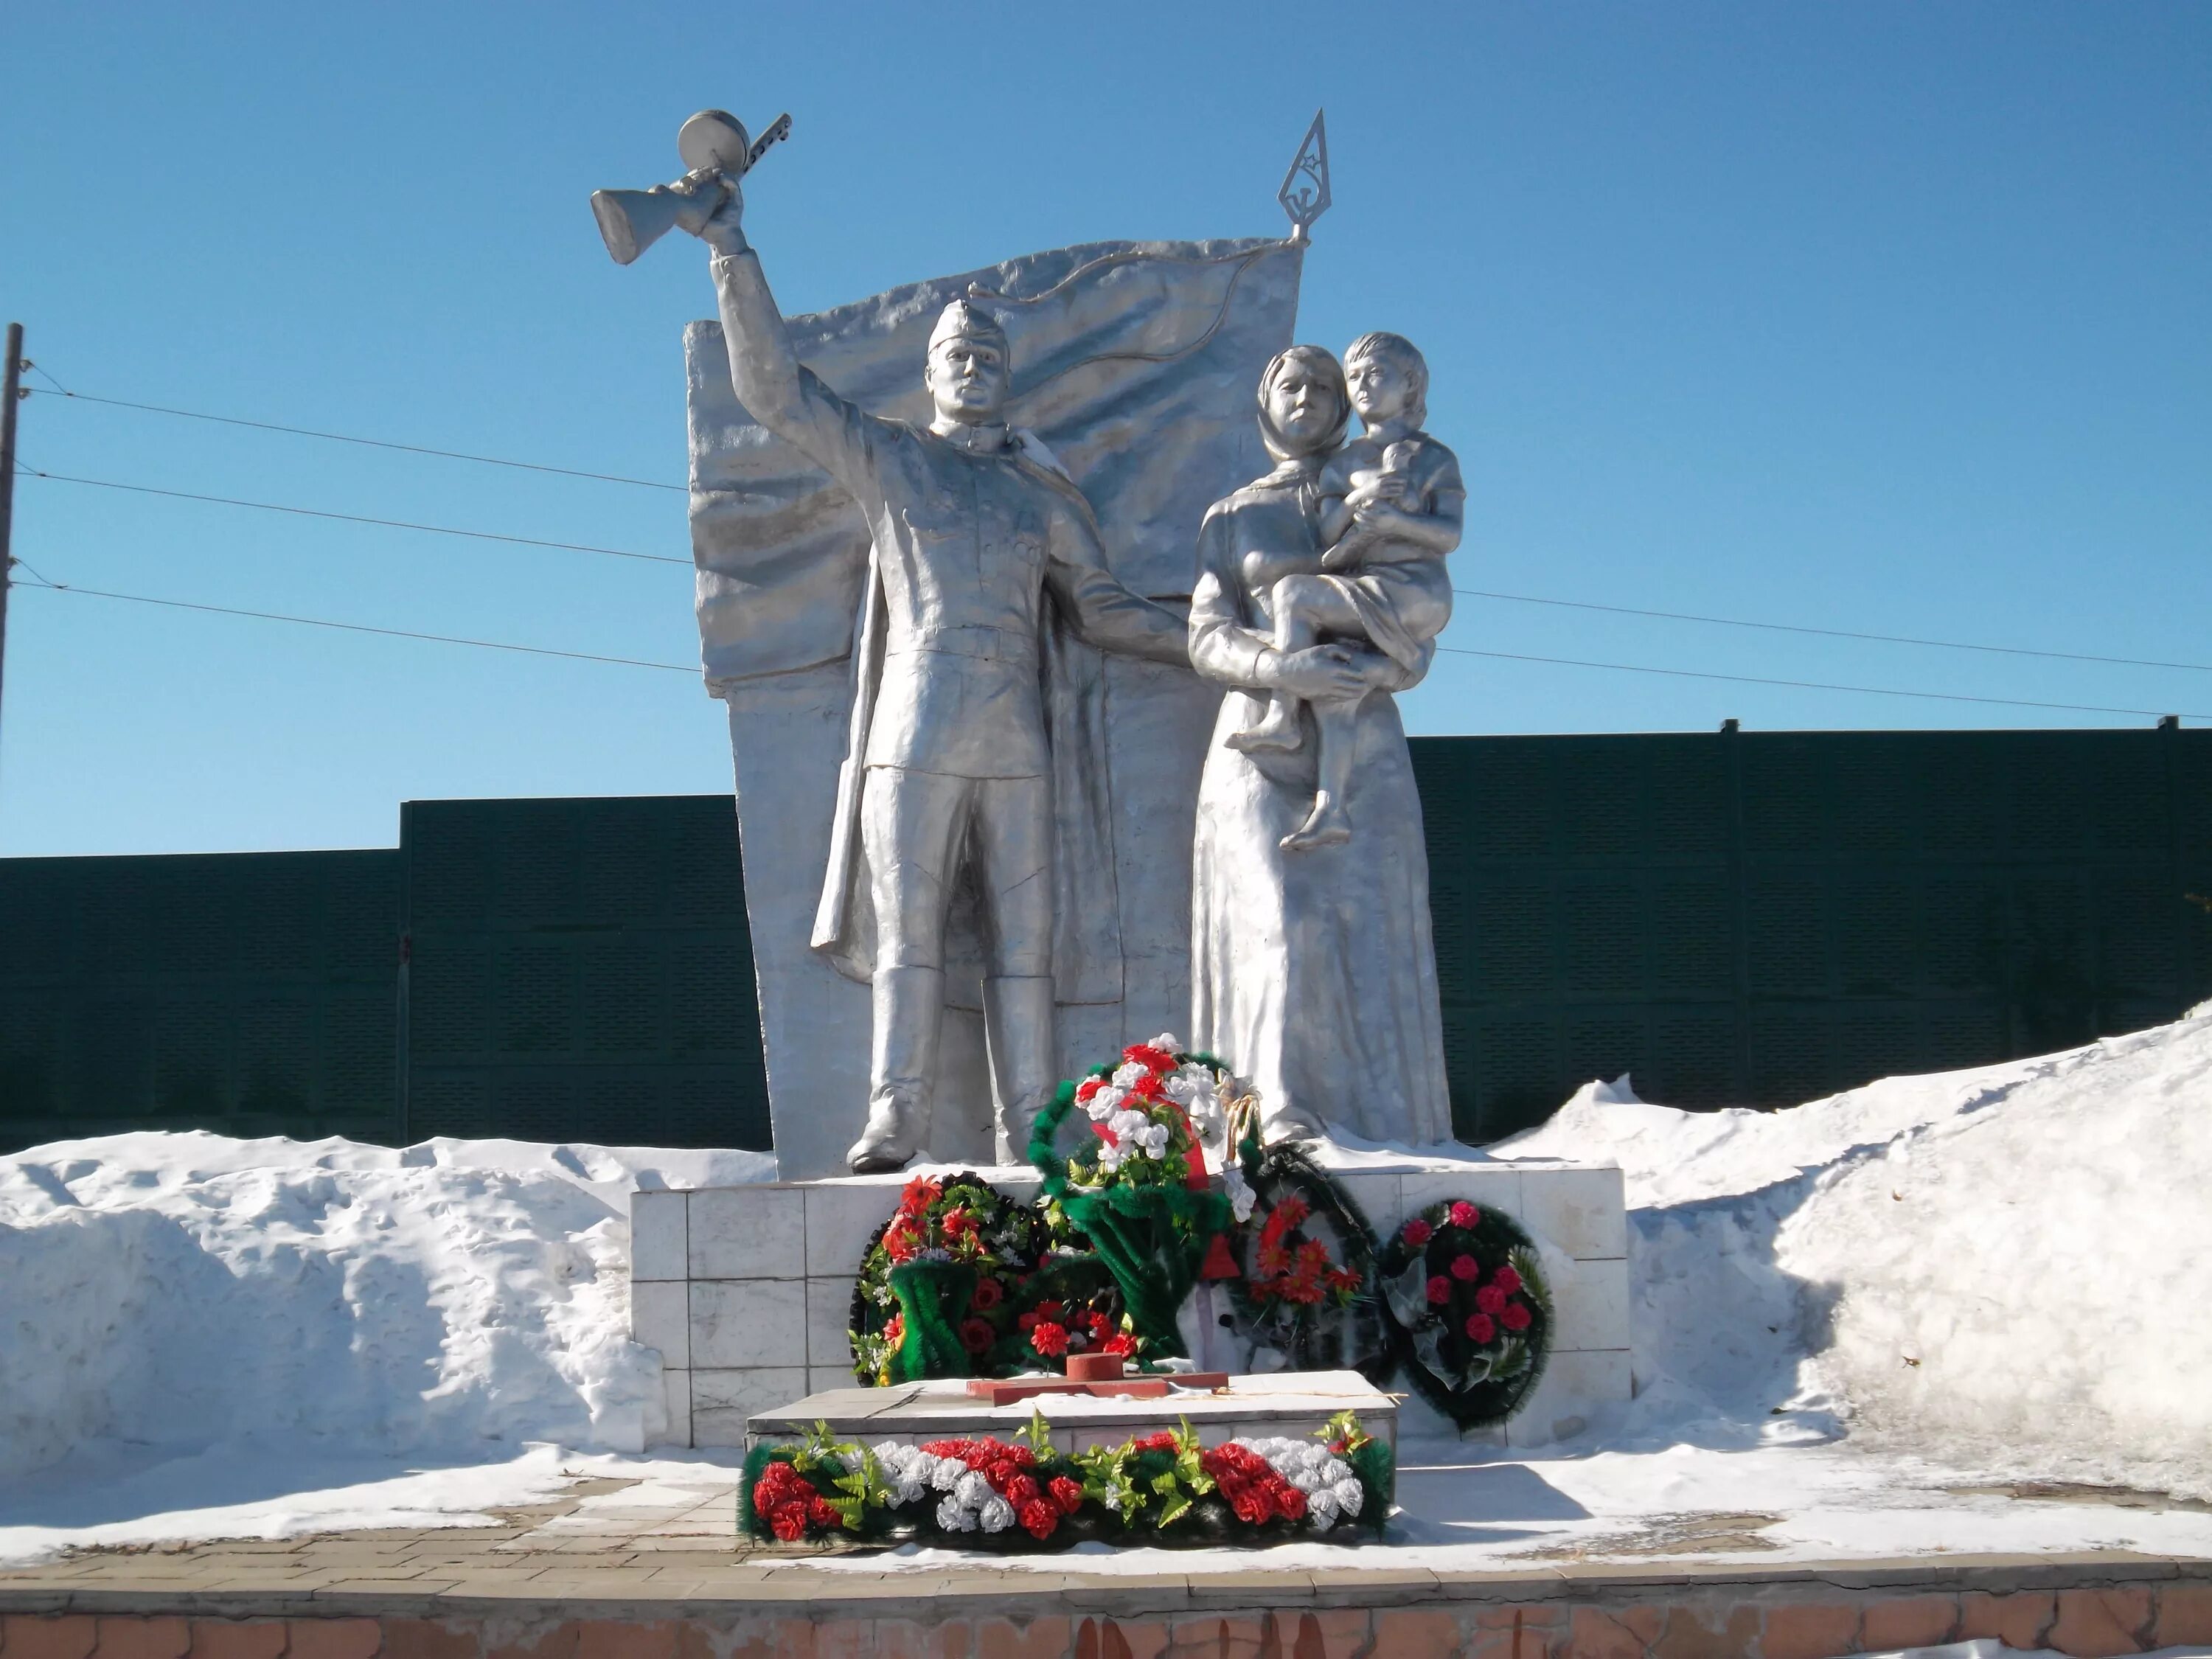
{"x":943,"y":1283}
{"x":1471,"y":1315}
{"x":1153,"y":1238}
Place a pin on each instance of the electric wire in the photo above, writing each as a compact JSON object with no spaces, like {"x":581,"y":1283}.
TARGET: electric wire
{"x":1811,"y":685}
{"x":370,"y":443}
{"x":1470,"y":592}
{"x":353,"y":627}
{"x":24,"y":470}
{"x":1834,"y":633}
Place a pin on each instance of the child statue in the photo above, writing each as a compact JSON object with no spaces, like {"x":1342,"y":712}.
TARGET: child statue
{"x":1390,"y":505}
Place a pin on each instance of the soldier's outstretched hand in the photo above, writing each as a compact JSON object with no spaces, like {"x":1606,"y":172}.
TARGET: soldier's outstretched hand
{"x":713,"y":209}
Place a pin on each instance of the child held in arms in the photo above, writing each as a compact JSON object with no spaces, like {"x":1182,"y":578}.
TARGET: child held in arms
{"x":1391,"y":505}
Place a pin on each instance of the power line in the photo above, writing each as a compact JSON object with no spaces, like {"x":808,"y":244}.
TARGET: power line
{"x":353,"y":518}
{"x":370,"y":443}
{"x":1811,"y":685}
{"x":353,"y":627}
{"x":1834,"y":633}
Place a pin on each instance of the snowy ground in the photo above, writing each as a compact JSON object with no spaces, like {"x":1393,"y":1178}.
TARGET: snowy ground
{"x":1971,"y":1312}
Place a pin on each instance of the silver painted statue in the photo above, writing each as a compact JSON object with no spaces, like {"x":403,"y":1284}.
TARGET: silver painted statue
{"x":1390,"y":505}
{"x":983,"y":548}
{"x":1311,"y":958}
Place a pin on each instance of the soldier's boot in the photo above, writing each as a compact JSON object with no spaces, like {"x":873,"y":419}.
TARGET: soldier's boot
{"x":908,"y":1006}
{"x":1017,"y":1027}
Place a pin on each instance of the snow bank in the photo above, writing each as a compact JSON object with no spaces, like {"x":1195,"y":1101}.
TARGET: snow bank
{"x":182,"y":1292}
{"x":2008,"y":1269}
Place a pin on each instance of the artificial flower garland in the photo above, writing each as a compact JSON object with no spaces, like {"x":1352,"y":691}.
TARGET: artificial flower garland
{"x":943,"y":1283}
{"x":1024,"y":1494}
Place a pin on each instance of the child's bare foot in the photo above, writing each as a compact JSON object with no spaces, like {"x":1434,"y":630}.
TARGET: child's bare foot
{"x":1278,"y":731}
{"x":1327,"y":825}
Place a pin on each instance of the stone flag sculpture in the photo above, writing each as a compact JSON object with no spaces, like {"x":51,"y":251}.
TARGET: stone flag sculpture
{"x":1134,"y":364}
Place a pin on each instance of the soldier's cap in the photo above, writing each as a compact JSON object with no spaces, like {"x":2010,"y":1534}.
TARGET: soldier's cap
{"x":961,"y":320}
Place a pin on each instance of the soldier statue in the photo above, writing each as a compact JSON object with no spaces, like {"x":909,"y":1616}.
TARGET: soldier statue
{"x":982,"y":548}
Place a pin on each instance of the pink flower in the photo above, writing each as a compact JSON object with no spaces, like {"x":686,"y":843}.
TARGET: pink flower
{"x":1439,"y":1290}
{"x":1416,"y":1232}
{"x":1464,"y":1214}
{"x":1466,"y":1268}
{"x":1491,"y":1300}
{"x":1516,"y":1316}
{"x":1480,"y":1328}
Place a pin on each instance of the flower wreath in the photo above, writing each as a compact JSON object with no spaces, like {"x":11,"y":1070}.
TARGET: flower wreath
{"x":1140,"y":1190}
{"x":985,"y":1245}
{"x":1307,"y":1285}
{"x":1024,"y":1494}
{"x":1466,"y":1294}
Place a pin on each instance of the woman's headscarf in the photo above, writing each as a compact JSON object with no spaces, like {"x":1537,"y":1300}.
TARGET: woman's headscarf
{"x":1293,"y":458}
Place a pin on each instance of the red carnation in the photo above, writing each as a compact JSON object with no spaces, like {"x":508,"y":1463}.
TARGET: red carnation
{"x":1506,"y":1280}
{"x":1251,"y":1504}
{"x":1049,"y":1339}
{"x":977,"y":1335}
{"x":989,"y":1293}
{"x":1416,"y":1232}
{"x":1290,"y":1502}
{"x":1466,"y":1267}
{"x":820,"y":1511}
{"x":1144,"y":1054}
{"x":1439,"y":1290}
{"x":788,"y":1524}
{"x":1464,"y":1214}
{"x":1067,"y":1494}
{"x":1120,"y":1342}
{"x":1089,"y":1087}
{"x":1480,"y":1329}
{"x":1037,"y":1517}
{"x":1490,"y":1299}
{"x":1516,"y":1316}
{"x":1100,"y":1325}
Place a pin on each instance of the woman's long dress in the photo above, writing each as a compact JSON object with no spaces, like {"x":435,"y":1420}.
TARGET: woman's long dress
{"x":1312,"y":973}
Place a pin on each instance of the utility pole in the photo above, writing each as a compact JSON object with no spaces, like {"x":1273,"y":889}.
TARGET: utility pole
{"x":12,"y":395}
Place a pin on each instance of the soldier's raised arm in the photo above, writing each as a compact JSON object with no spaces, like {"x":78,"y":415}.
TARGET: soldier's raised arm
{"x":777,"y":390}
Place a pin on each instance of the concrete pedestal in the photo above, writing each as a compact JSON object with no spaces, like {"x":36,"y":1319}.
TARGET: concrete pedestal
{"x":747,"y":1291}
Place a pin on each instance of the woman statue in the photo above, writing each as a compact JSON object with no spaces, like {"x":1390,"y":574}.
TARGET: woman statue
{"x":1312,"y":971}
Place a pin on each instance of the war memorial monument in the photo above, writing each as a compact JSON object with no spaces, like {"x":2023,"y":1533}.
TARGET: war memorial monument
{"x":1059,"y":611}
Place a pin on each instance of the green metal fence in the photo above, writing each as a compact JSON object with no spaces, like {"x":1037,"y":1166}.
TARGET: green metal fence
{"x":1733,"y":919}
{"x":580,"y":970}
{"x":248,"y":992}
{"x":1757,"y":919}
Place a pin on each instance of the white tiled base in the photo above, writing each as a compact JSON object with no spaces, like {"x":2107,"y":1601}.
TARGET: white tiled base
{"x":746,"y":1291}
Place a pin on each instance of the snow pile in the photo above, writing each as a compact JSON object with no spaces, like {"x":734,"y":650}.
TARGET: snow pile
{"x":2009,"y":1268}
{"x":183,"y":1291}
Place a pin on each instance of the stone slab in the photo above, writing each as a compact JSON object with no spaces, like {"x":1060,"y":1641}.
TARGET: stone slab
{"x":1295,"y":1404}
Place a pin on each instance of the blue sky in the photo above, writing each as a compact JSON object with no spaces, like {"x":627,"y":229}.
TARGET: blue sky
{"x":1888,"y":317}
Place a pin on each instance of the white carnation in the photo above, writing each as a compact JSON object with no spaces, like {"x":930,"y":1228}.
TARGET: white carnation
{"x":946,"y":1475}
{"x":1321,"y":1506}
{"x":953,"y":1518}
{"x":1242,"y":1198}
{"x":1129,"y":1074}
{"x":1105,"y":1103}
{"x":1336,"y":1471}
{"x":997,"y":1515}
{"x":973,"y":1491}
{"x":1168,"y":1043}
{"x":1126,"y":1123}
{"x":1305,"y":1480}
{"x":1349,"y":1496}
{"x":1153,"y":1138}
{"x":909,"y":1492}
